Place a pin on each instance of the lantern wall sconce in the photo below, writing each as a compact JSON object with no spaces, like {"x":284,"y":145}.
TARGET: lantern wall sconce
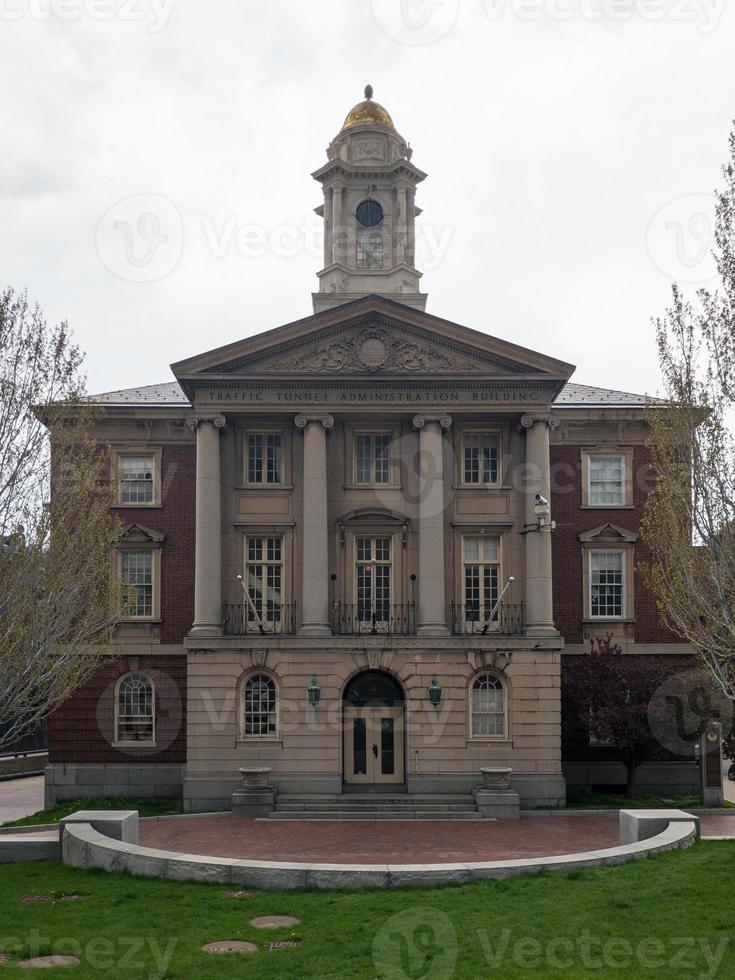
{"x":315,"y":692}
{"x":435,"y":692}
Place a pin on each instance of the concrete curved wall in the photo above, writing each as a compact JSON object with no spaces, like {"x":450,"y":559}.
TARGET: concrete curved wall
{"x":85,"y":847}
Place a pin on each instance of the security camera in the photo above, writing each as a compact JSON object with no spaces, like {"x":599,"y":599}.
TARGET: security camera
{"x":541,"y":501}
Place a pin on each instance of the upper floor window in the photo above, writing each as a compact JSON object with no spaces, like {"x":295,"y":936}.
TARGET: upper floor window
{"x":606,"y":480}
{"x":487,"y":707}
{"x":259,"y":707}
{"x":607,"y":571}
{"x":481,"y":567}
{"x":135,"y":705}
{"x":372,"y":458}
{"x":480,"y":458}
{"x":373,"y":574}
{"x":264,"y":578}
{"x":264,"y":457}
{"x":136,"y":479}
{"x":136,"y":576}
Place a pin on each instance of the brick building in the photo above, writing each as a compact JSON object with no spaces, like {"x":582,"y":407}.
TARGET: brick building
{"x":362,"y":543}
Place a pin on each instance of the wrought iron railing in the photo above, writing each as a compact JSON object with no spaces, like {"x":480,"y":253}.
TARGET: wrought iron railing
{"x":354,"y":619}
{"x":240,"y":620}
{"x":476,"y":619}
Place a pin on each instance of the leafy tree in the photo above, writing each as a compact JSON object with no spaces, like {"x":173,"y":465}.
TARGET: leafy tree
{"x":611,"y":695}
{"x":689,"y":521}
{"x":57,"y":531}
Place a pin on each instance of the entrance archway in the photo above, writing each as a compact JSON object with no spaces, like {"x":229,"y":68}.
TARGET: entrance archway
{"x":373,"y":707}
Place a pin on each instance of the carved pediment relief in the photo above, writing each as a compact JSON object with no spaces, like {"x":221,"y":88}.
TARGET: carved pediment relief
{"x":137,"y":534}
{"x":608,"y":532}
{"x":375,"y":349}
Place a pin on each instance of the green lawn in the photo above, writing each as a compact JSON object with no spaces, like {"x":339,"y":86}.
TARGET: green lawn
{"x":611,"y":801}
{"x":669,"y":916}
{"x":145,"y":807}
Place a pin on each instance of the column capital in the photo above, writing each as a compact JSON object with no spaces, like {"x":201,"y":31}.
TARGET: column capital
{"x":529,"y":420}
{"x":301,"y":420}
{"x":218,"y":421}
{"x":445,"y":421}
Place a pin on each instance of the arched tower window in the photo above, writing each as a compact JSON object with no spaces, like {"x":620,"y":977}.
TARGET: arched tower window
{"x":369,"y":235}
{"x":488,"y":710}
{"x":135,"y":709}
{"x":259,"y":707}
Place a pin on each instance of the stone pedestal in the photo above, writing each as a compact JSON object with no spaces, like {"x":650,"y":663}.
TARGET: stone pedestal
{"x":256,"y":797}
{"x":494,"y":798}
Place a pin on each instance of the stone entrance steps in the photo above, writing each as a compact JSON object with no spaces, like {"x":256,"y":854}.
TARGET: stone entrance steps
{"x":374,"y":807}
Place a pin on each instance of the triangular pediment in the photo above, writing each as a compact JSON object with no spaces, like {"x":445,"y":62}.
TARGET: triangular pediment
{"x":137,"y":534}
{"x":609,"y":532}
{"x":372,"y":337}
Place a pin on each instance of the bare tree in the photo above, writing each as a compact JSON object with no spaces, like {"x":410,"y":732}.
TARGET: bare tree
{"x":57,"y":601}
{"x":689,"y":523}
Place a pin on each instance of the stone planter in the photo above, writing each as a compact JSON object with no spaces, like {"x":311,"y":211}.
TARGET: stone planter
{"x":256,"y":797}
{"x":496,"y":779}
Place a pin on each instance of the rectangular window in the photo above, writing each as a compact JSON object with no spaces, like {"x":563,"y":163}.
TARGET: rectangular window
{"x":264,"y":453}
{"x":137,"y":579}
{"x":481,"y":578}
{"x":372,"y":458}
{"x":607,"y":584}
{"x":373,"y":579}
{"x":135,"y":475}
{"x":606,"y":481}
{"x":369,"y":248}
{"x":481,"y":451}
{"x":264,"y":578}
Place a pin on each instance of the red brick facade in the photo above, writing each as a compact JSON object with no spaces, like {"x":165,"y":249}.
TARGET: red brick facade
{"x":571,"y":521}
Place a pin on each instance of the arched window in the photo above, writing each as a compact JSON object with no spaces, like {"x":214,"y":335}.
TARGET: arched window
{"x":487,"y":707}
{"x":135,"y":709}
{"x":259,"y":706}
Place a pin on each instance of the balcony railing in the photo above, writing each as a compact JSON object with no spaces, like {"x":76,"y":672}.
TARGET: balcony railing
{"x":474,"y":620}
{"x":355,"y":619}
{"x":273,"y":618}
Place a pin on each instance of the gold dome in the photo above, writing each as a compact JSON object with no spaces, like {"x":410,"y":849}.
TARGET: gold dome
{"x":368,"y":113}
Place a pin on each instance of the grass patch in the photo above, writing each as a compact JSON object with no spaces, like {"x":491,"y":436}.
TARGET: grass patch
{"x":145,"y":807}
{"x":668,"y":916}
{"x":611,"y":801}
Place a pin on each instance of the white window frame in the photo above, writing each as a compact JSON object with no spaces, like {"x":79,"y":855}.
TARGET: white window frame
{"x":118,"y":741}
{"x":137,"y":452}
{"x":264,"y":434}
{"x":626,"y":457}
{"x":370,"y":247}
{"x":374,"y":536}
{"x":623,"y":554}
{"x":261,"y":736}
{"x":503,"y":687}
{"x":485,"y":608}
{"x":264,"y":563}
{"x":155,"y":559}
{"x":371,"y":434}
{"x":481,"y":481}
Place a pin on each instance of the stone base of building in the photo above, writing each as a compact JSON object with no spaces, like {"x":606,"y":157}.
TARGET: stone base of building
{"x":72,"y":781}
{"x":206,"y":794}
{"x":668,"y":779}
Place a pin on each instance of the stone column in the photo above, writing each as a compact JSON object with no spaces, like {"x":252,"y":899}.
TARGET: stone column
{"x":400,"y":233}
{"x":411,"y":227}
{"x":328,"y":227}
{"x":315,"y":536}
{"x":432,"y":599}
{"x":208,"y":527}
{"x":338,"y":230}
{"x":539,"y":599}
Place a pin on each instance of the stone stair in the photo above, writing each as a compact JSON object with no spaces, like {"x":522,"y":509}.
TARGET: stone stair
{"x":386,"y":806}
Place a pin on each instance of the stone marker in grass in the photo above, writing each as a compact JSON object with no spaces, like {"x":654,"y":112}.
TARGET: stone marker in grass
{"x":274,"y":921}
{"x":230,"y":946}
{"x":48,"y":962}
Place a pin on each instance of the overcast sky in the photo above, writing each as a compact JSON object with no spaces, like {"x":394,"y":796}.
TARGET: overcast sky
{"x":155,"y":183}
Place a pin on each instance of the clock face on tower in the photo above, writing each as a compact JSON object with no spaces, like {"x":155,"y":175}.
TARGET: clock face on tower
{"x":369,"y":214}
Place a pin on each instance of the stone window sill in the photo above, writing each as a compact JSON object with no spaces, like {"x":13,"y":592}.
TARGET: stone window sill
{"x":607,"y":507}
{"x":259,"y":740}
{"x":285,"y":487}
{"x":119,"y":506}
{"x":600,"y":621}
{"x":489,"y":740}
{"x":372,"y":486}
{"x":134,"y":745}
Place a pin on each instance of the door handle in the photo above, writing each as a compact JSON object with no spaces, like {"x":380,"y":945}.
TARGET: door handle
{"x":375,"y":751}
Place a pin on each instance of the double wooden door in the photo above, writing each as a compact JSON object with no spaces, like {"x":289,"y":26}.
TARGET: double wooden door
{"x":373,"y":745}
